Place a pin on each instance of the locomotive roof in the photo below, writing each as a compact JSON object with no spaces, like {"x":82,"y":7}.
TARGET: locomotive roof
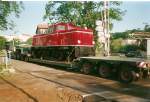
{"x":43,"y":25}
{"x":61,"y":23}
{"x":46,"y":25}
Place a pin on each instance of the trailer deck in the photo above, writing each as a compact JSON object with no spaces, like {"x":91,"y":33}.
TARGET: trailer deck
{"x":116,"y":58}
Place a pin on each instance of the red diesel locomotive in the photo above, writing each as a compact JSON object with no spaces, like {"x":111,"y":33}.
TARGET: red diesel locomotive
{"x":62,"y":41}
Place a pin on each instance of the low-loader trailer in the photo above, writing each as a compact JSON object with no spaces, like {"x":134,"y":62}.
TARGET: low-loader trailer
{"x":126,"y":69}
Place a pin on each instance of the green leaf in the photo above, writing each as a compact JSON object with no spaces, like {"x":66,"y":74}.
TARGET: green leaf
{"x":8,"y":8}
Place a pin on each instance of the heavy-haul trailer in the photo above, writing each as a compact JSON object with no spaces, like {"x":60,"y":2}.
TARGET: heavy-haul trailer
{"x":124,"y":68}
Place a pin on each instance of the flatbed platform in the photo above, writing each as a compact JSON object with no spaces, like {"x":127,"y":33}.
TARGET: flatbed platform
{"x":117,"y":58}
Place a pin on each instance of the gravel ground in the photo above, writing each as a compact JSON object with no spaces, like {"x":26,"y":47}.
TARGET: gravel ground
{"x":36,"y":83}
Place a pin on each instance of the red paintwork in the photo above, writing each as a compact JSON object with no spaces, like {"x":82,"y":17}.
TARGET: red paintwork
{"x":71,"y":36}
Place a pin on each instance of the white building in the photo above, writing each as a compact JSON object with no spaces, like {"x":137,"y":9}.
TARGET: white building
{"x":21,"y":37}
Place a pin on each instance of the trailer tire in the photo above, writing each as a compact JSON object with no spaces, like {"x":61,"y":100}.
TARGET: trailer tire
{"x":127,"y":75}
{"x":145,"y":74}
{"x":86,"y":68}
{"x":104,"y":71}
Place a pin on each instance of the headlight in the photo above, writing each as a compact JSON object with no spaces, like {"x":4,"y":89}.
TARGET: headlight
{"x":93,"y":42}
{"x":79,"y":41}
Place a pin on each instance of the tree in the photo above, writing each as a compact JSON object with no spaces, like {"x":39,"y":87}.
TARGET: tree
{"x":2,"y":42}
{"x":147,"y":28}
{"x":83,"y":13}
{"x":129,"y":48}
{"x":123,"y":35}
{"x":116,"y":45}
{"x":8,"y":8}
{"x":15,"y":42}
{"x":29,"y":41}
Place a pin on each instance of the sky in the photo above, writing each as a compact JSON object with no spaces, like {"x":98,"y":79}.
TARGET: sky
{"x":136,"y":16}
{"x":137,"y":13}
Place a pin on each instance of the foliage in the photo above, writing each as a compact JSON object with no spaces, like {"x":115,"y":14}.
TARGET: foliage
{"x":147,"y":28}
{"x":143,"y":45}
{"x":128,"y":48}
{"x":29,"y":41}
{"x":2,"y":53}
{"x":7,"y":8}
{"x":83,"y":13}
{"x":15,"y":42}
{"x":116,"y":45}
{"x":2,"y":42}
{"x":123,"y":35}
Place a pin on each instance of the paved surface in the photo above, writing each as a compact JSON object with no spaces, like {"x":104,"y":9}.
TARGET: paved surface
{"x":35,"y":83}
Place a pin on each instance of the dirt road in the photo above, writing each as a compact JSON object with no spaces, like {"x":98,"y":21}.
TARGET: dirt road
{"x":35,"y":83}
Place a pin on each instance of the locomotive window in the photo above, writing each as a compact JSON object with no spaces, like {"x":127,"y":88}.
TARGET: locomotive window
{"x":71,"y":27}
{"x":60,"y":27}
{"x":42,"y":31}
{"x":50,"y":30}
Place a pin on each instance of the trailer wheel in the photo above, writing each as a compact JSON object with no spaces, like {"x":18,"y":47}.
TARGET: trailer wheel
{"x":127,"y":75}
{"x":104,"y":71}
{"x":86,"y":68}
{"x":145,"y":74}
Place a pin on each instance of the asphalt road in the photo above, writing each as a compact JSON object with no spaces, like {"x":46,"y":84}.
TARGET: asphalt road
{"x":37,"y":83}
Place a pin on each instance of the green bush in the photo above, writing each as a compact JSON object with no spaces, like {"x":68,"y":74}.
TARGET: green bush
{"x":2,"y":42}
{"x":116,"y":45}
{"x":128,"y":48}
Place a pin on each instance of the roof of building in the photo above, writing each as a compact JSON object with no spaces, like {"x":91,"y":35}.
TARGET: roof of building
{"x":142,"y":35}
{"x":43,"y":25}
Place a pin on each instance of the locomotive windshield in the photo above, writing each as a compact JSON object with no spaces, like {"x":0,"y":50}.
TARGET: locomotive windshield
{"x":42,"y":31}
{"x":60,"y":27}
{"x":51,"y":29}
